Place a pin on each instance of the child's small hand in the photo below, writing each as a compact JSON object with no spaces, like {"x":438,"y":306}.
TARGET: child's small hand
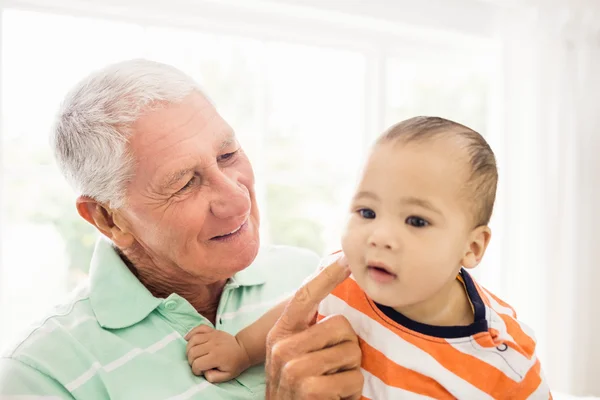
{"x":215,"y":354}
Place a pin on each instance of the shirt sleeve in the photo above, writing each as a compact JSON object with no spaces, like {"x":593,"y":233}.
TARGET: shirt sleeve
{"x":19,"y":379}
{"x":534,"y":385}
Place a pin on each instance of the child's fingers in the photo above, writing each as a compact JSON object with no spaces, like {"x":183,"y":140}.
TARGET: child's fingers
{"x":200,"y":350}
{"x":204,"y":363}
{"x":199,"y":339}
{"x":198,"y":329}
{"x":216,"y":376}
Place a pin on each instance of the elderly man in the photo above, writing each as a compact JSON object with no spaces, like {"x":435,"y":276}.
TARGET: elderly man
{"x":163,"y":178}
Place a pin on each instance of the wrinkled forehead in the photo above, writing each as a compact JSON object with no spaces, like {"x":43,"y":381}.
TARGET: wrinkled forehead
{"x":173,"y":136}
{"x":193,"y":121}
{"x":167,"y":121}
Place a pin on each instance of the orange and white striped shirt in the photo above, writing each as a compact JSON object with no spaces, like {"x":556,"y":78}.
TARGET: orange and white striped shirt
{"x":493,"y":358}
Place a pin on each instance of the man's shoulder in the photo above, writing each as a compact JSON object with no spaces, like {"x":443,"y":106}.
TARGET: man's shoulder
{"x":52,"y":332}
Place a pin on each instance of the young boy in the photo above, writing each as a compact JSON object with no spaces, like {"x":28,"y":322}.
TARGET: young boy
{"x":419,"y":220}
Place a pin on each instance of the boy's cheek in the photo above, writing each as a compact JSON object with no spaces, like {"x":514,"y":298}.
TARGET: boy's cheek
{"x":352,"y":233}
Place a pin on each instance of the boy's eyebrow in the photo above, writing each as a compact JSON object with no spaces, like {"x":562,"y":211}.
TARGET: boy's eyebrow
{"x":409,"y":200}
{"x":420,"y":203}
{"x":365,"y":195}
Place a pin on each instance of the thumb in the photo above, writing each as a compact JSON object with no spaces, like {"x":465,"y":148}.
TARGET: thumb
{"x":216,"y":376}
{"x":301,"y":309}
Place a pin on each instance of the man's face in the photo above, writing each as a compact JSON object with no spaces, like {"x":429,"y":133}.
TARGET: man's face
{"x":191,"y":203}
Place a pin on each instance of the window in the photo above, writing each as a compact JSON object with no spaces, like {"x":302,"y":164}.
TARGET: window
{"x":300,"y":110}
{"x":46,"y":246}
{"x":313,"y":142}
{"x":453,"y":86}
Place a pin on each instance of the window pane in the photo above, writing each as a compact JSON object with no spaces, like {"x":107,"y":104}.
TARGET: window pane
{"x":442,"y":85}
{"x":313,"y":141}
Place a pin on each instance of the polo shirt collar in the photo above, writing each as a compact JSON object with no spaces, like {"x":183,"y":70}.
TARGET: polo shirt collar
{"x":120,"y":300}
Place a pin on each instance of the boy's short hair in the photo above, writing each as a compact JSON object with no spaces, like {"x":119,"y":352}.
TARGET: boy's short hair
{"x":483,"y":180}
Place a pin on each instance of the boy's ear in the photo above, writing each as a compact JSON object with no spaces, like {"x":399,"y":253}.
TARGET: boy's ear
{"x":476,"y":246}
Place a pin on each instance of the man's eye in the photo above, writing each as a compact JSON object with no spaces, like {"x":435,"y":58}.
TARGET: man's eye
{"x":226,"y":156}
{"x":417,"y":222}
{"x":366,"y":213}
{"x":189,"y":184}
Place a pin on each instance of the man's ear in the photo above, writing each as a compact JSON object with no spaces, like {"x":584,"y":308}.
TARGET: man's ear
{"x":106,"y":220}
{"x":478,"y":243}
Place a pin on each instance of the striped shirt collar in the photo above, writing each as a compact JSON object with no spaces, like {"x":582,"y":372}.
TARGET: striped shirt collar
{"x":119,"y":299}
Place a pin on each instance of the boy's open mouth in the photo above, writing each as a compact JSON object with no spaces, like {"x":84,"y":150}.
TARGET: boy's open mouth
{"x":380,"y":273}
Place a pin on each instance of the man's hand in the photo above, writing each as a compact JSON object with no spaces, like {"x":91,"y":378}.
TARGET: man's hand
{"x":215,"y":354}
{"x":313,"y":361}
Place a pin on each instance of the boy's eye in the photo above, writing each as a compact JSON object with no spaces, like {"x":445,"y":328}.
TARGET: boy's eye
{"x":366,"y":213}
{"x":417,"y":222}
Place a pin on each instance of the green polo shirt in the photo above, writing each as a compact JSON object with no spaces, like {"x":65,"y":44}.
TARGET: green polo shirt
{"x":114,"y":340}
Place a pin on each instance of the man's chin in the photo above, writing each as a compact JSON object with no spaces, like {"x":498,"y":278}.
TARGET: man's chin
{"x":246,"y":256}
{"x":236,"y":260}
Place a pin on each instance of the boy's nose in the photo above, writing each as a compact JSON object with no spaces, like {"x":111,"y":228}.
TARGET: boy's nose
{"x":384,"y":239}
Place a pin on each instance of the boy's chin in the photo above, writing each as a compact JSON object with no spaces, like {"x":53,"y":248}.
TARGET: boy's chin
{"x":382,"y":299}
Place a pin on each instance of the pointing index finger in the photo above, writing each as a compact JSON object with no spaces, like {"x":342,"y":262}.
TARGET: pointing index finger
{"x":301,"y":309}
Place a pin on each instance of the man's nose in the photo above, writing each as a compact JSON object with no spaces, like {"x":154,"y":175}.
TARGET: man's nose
{"x":231,"y":198}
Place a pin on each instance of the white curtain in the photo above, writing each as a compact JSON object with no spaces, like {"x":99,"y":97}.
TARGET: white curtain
{"x":549,"y":196}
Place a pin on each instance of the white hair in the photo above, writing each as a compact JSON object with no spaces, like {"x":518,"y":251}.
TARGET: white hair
{"x":93,"y":125}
